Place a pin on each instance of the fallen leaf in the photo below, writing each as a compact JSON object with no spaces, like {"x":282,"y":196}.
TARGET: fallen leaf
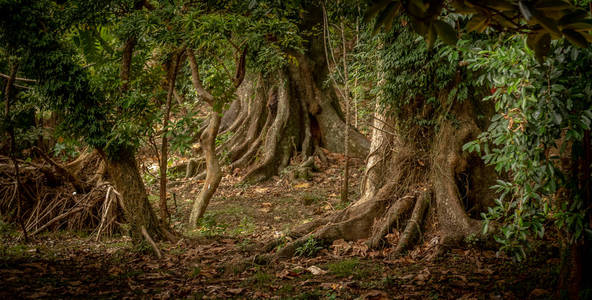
{"x":261,"y":190}
{"x":467,"y":297}
{"x":407,"y":277}
{"x":331,"y":285}
{"x":286,"y":274}
{"x":375,"y":295}
{"x":485,"y":271}
{"x":463,"y":278}
{"x":236,"y":291}
{"x":316,"y":270}
{"x":302,"y":185}
{"x":422,"y":277}
{"x":340,"y":247}
{"x":538,"y":293}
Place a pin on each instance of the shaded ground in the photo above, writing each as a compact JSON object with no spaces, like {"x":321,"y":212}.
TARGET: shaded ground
{"x":212,"y":262}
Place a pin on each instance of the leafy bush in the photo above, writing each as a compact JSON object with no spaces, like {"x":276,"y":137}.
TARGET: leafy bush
{"x":536,"y":137}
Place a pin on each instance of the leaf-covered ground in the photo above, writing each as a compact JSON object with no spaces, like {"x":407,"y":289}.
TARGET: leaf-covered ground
{"x":214,"y":262}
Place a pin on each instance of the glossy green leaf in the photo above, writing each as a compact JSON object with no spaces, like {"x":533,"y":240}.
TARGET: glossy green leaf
{"x":576,"y":38}
{"x":376,"y":8}
{"x":446,"y":32}
{"x":477,"y":23}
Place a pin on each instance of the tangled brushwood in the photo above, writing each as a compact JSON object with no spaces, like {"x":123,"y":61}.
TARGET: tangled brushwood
{"x":50,"y":196}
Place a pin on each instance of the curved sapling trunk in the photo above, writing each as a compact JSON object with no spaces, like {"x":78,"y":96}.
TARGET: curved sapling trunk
{"x":213,"y":171}
{"x":208,"y":137}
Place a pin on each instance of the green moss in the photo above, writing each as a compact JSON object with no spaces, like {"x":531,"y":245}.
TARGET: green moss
{"x":343,"y":268}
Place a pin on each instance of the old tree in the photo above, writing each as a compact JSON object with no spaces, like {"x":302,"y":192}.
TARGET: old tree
{"x":480,"y":130}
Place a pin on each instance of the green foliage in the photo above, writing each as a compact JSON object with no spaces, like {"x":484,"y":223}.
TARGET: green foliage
{"x":209,"y":226}
{"x":223,"y":138}
{"x":72,"y":49}
{"x":414,"y":74}
{"x":310,"y":248}
{"x":543,"y":112}
{"x":215,"y":223}
{"x":181,"y":132}
{"x":195,"y":272}
{"x":66,"y":149}
{"x":7,"y":230}
{"x":542,"y":20}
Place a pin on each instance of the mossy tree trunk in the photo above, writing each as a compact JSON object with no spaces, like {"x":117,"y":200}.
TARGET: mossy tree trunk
{"x":411,"y":175}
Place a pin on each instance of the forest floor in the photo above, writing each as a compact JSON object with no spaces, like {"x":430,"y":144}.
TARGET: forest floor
{"x":214,"y":262}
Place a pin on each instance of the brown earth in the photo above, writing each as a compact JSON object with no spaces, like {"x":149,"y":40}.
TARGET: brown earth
{"x":215,"y":261}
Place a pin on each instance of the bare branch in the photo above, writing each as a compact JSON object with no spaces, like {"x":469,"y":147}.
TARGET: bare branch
{"x":201,"y":91}
{"x":17,"y":78}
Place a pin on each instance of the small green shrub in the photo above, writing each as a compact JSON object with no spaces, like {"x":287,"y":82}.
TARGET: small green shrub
{"x":195,"y":272}
{"x":310,"y":248}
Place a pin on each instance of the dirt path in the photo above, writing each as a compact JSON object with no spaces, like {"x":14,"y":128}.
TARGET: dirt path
{"x":213,"y":261}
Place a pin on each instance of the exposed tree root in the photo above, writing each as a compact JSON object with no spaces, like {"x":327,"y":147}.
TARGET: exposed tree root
{"x":417,"y":176}
{"x":351,"y":224}
{"x":414,"y":225}
{"x":277,"y":149}
{"x":394,"y":217}
{"x":151,"y":242}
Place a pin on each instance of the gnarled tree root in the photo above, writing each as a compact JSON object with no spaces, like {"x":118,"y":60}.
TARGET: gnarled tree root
{"x":394,"y":216}
{"x":354,"y":223}
{"x":413,"y":229}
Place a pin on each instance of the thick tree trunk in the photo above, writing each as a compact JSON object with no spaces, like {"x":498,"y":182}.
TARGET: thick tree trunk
{"x":448,"y":163}
{"x":308,"y":78}
{"x":123,"y":170}
{"x":576,"y":264}
{"x":300,"y":114}
{"x":283,"y":135}
{"x":412,"y":173}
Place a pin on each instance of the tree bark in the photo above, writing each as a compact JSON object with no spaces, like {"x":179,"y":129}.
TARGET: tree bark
{"x":208,"y":137}
{"x":213,"y":170}
{"x":171,"y":80}
{"x":126,"y":62}
{"x":306,"y":117}
{"x":345,"y":185}
{"x":123,"y":170}
{"x":282,"y":135}
{"x":412,"y":171}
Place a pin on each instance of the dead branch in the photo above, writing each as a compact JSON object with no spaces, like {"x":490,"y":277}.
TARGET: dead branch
{"x":5,"y":76}
{"x":58,"y":218}
{"x":78,"y":185}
